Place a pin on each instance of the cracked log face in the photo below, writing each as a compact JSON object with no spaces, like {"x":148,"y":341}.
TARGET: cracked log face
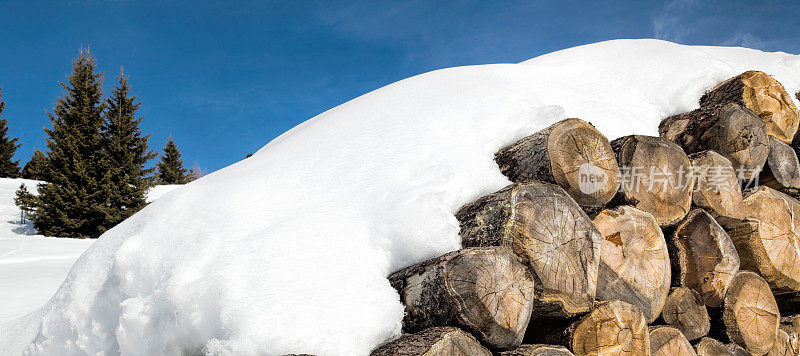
{"x":634,"y":265}
{"x":782,"y":171}
{"x":656,"y":177}
{"x":570,"y":153}
{"x":705,"y":256}
{"x":785,"y":345}
{"x":485,"y":291}
{"x":763,"y":95}
{"x":750,"y":313}
{"x":613,"y":328}
{"x":685,"y":311}
{"x":438,"y":341}
{"x":550,"y":233}
{"x":717,"y":189}
{"x":538,"y":350}
{"x":768,"y":240}
{"x":668,"y":341}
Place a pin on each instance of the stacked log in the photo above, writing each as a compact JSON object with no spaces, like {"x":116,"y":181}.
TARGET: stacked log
{"x":437,"y":341}
{"x":717,"y":188}
{"x":782,"y":171}
{"x":668,"y":341}
{"x":684,"y":311}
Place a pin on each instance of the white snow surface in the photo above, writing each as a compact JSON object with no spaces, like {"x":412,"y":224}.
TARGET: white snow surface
{"x":287,"y":251}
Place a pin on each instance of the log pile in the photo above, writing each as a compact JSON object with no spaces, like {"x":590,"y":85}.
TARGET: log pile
{"x":683,"y":244}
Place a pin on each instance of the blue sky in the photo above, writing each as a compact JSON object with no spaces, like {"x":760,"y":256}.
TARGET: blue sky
{"x":225,"y":77}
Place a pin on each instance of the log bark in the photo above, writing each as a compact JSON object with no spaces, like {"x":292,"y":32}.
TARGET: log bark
{"x":763,"y":95}
{"x":750,"y":313}
{"x":785,"y":345}
{"x":634,"y":264}
{"x":712,"y":347}
{"x":656,"y":177}
{"x":686,"y":312}
{"x":570,"y":153}
{"x":717,"y":188}
{"x":538,"y":350}
{"x":782,"y":171}
{"x":437,"y":341}
{"x":768,"y":240}
{"x":669,"y":341}
{"x":550,"y":233}
{"x":731,"y":130}
{"x":485,"y":291}
{"x":704,"y":256}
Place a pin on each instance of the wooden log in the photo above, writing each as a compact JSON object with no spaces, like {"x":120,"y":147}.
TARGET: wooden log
{"x":656,"y":177}
{"x":550,"y":233}
{"x":485,"y":291}
{"x":668,"y":341}
{"x":767,"y":241}
{"x":763,"y":95}
{"x":686,"y":312}
{"x":731,"y":130}
{"x":538,"y":350}
{"x":570,"y":153}
{"x":791,"y":324}
{"x":782,"y":171}
{"x":750,"y":313}
{"x":785,"y":345}
{"x":634,"y":264}
{"x":704,"y":256}
{"x":717,"y":188}
{"x":712,"y":347}
{"x":437,"y":341}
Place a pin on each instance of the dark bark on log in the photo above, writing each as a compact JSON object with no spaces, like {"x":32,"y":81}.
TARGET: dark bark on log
{"x":550,"y":233}
{"x":686,"y":312}
{"x":763,"y":95}
{"x":656,"y":177}
{"x":668,"y":341}
{"x":768,"y":241}
{"x":704,"y":256}
{"x":570,"y":153}
{"x":717,"y":188}
{"x":485,"y":291}
{"x":782,"y":171}
{"x":438,"y":341}
{"x":731,"y":130}
{"x":634,"y":264}
{"x":538,"y":350}
{"x":749,"y":314}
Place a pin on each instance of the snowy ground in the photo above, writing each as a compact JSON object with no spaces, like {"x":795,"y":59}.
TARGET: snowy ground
{"x":33,"y":266}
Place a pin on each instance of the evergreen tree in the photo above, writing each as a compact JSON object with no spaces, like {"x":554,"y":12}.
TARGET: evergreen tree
{"x":8,"y":167}
{"x":71,"y":203}
{"x":170,"y":168}
{"x":26,"y":202}
{"x":126,"y":180}
{"x":36,"y":166}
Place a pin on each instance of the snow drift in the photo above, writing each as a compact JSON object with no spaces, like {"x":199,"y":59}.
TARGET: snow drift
{"x":288,"y":251}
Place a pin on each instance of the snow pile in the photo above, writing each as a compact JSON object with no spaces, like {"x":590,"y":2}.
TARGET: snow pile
{"x":288,"y":250}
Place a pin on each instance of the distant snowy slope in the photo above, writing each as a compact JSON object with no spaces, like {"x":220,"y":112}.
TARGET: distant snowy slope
{"x":287,"y":251}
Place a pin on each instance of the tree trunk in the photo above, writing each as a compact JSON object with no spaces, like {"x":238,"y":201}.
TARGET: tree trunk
{"x":704,"y":256}
{"x":669,"y":341}
{"x":731,"y":130}
{"x":768,"y":241}
{"x":550,"y":233}
{"x":570,"y":153}
{"x":782,"y":171}
{"x":686,"y":312}
{"x":656,"y":177}
{"x":612,"y":328}
{"x":538,"y":350}
{"x":763,"y":95}
{"x":437,"y":341}
{"x":750,"y":314}
{"x":485,"y":291}
{"x":634,"y":264}
{"x":717,"y":188}
{"x":785,"y":345}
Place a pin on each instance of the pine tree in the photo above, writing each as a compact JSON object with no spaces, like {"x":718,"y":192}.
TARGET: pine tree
{"x":71,"y":203}
{"x":8,"y":167}
{"x":126,"y":180}
{"x":36,"y":166}
{"x":26,"y":202}
{"x":170,"y":168}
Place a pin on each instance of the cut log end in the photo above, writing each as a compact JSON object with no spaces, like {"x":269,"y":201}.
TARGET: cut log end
{"x":785,"y":345}
{"x":750,"y":313}
{"x":613,"y":328}
{"x":668,"y":341}
{"x":437,"y":341}
{"x":717,"y":188}
{"x":782,"y":171}
{"x":538,"y":350}
{"x":685,"y":311}
{"x":634,"y":265}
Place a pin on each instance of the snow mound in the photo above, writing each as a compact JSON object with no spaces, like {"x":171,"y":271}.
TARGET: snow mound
{"x":287,"y":251}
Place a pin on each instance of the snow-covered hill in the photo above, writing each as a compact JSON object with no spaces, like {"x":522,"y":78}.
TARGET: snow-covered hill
{"x":33,"y":266}
{"x":287,"y":251}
